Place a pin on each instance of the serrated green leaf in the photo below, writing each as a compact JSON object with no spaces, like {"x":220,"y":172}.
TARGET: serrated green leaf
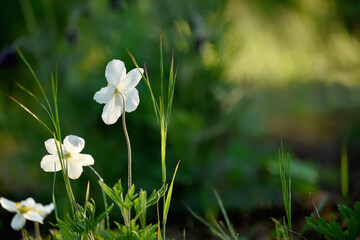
{"x":357,"y":210}
{"x":345,"y":211}
{"x":336,"y":230}
{"x":353,"y":228}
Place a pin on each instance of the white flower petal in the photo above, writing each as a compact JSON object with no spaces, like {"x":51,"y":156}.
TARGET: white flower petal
{"x":131,"y":100}
{"x":18,"y":221}
{"x":104,"y":94}
{"x":131,"y":79}
{"x":74,"y":170}
{"x":51,"y":146}
{"x":33,"y":216}
{"x":74,"y":144}
{"x":29,"y":202}
{"x":115,"y":71}
{"x":8,"y":205}
{"x":112,"y":110}
{"x":44,"y":210}
{"x":50,"y":163}
{"x":82,"y":159}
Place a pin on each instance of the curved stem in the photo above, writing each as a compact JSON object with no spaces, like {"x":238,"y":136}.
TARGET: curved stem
{"x":128,"y":144}
{"x":129,"y":152}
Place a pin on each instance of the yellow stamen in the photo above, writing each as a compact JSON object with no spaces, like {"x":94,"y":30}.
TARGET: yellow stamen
{"x":22,"y":209}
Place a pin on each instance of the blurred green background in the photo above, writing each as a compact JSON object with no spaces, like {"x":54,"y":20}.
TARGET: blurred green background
{"x":250,"y":75}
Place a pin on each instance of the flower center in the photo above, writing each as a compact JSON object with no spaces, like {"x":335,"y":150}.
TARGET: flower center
{"x":21,"y":208}
{"x":67,"y":155}
{"x":117,"y":91}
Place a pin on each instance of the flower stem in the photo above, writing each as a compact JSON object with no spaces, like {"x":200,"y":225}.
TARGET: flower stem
{"x":64,"y":167}
{"x":23,"y":234}
{"x":72,"y":194}
{"x":129,"y":153}
{"x":37,"y":230}
{"x":70,"y":189}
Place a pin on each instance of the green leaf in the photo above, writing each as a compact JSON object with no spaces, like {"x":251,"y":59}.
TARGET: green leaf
{"x":156,"y":195}
{"x":168,"y":197}
{"x":336,"y":230}
{"x":353,"y":228}
{"x":345,"y":211}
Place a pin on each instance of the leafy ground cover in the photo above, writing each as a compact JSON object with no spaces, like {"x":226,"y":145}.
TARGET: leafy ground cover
{"x":250,"y":74}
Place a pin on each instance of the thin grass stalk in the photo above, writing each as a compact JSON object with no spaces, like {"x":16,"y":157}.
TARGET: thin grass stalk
{"x":219,"y":227}
{"x":163,"y":150}
{"x":101,"y":182}
{"x":162,"y":111}
{"x":23,"y":234}
{"x":344,"y":174}
{"x":171,"y":88}
{"x":288,"y":213}
{"x":30,"y":112}
{"x":227,"y":221}
{"x":162,"y":97}
{"x":36,"y":79}
{"x":158,"y":221}
{"x":71,"y":191}
{"x":54,"y":87}
{"x":53,"y":197}
{"x":278,"y":234}
{"x":162,"y":131}
{"x":56,"y":122}
{"x":51,"y":116}
{"x":148,"y":85}
{"x":285,"y":179}
{"x":33,"y":96}
{"x":206,"y":223}
{"x":65,"y":176}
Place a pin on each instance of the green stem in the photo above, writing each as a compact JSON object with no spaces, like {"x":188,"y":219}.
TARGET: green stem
{"x":65,"y":176}
{"x":163,"y":163}
{"x":23,"y":234}
{"x":71,"y":192}
{"x":104,"y":197}
{"x":344,"y":174}
{"x":164,"y":223}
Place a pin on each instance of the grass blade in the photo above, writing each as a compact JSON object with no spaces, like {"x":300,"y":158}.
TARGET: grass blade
{"x":35,"y":77}
{"x":168,"y":197}
{"x":148,"y":85}
{"x":285,"y":179}
{"x":30,"y":112}
{"x":206,"y":223}
{"x":227,"y":221}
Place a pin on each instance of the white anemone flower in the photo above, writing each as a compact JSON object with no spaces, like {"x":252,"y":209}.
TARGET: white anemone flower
{"x":26,"y":210}
{"x":73,"y":159}
{"x":120,"y":86}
